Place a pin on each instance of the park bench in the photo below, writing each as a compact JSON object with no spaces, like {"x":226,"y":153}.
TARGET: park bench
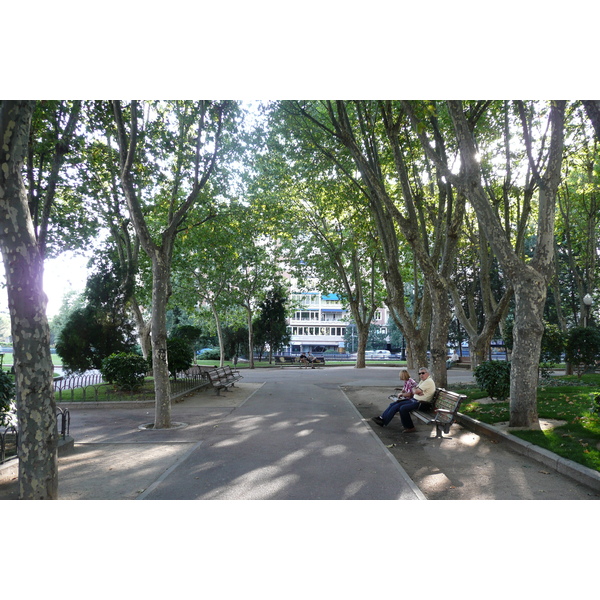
{"x":217,"y":382}
{"x":226,"y":375}
{"x":231,"y":374}
{"x":300,"y":362}
{"x":443,"y":409}
{"x":464,"y":362}
{"x":317,"y":360}
{"x":286,"y":360}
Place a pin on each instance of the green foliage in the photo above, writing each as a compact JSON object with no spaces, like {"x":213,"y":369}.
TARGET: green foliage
{"x":190,"y":333}
{"x":553,"y":343}
{"x":212,"y":354}
{"x":125,"y":369}
{"x":180,"y":355}
{"x":270,"y":327}
{"x":7,"y":395}
{"x":583,"y":348}
{"x":101,"y":327}
{"x":494,"y":377}
{"x":90,"y":335}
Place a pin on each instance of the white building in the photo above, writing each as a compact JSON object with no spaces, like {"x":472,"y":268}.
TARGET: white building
{"x":319,"y":323}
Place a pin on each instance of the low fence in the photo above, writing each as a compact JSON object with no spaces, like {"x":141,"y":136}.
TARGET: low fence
{"x":9,"y":438}
{"x":93,"y":388}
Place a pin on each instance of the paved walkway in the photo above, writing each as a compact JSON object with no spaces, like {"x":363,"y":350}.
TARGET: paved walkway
{"x":279,"y":434}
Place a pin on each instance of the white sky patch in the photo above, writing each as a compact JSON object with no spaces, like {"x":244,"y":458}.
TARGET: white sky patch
{"x":61,"y":275}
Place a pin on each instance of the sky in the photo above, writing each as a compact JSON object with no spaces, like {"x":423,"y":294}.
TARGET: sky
{"x":61,"y":275}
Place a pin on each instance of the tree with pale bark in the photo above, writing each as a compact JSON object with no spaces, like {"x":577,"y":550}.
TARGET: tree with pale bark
{"x":26,"y":207}
{"x":529,"y":278}
{"x":179,"y":143}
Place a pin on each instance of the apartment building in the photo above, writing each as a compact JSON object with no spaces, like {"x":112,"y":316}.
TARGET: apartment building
{"x":319,"y":323}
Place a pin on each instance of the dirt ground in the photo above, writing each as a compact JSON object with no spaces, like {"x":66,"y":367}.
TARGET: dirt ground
{"x":464,"y":465}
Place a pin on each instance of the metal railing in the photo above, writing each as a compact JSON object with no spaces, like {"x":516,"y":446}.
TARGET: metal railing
{"x":9,"y":438}
{"x":92,"y":388}
{"x":185,"y":383}
{"x":9,"y":441}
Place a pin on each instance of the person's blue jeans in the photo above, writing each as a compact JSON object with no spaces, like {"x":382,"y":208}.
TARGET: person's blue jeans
{"x":405,"y":409}
{"x":392,"y":409}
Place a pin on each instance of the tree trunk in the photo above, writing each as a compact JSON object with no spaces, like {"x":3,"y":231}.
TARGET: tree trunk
{"x":362,"y":334}
{"x":250,"y":338}
{"x":215,"y":313}
{"x":23,"y":262}
{"x":160,"y":363}
{"x":530,"y":298}
{"x":144,"y":328}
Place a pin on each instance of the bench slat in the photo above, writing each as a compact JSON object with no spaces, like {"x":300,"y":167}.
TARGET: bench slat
{"x":445,"y":405}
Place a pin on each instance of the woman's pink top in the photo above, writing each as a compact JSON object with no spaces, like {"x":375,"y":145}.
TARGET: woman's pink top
{"x":409,"y":384}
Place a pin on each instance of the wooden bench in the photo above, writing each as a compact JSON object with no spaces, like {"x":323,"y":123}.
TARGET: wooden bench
{"x":464,"y":362}
{"x":444,"y":407}
{"x":217,"y":382}
{"x":286,"y":360}
{"x":300,"y":362}
{"x":226,"y":375}
{"x":317,"y":360}
{"x":231,"y":374}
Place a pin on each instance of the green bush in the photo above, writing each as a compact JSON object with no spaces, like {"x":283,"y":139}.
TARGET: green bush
{"x":180,"y":355}
{"x":583,"y":348}
{"x":553,"y":344}
{"x":7,"y":395}
{"x":214,"y":354}
{"x":125,"y":370}
{"x":493,"y":376}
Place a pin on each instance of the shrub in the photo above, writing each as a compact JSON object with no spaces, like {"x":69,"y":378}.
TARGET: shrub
{"x":493,"y":376}
{"x":125,"y":370}
{"x":213,"y":354}
{"x":553,"y":344}
{"x":180,"y":355}
{"x":583,"y":348}
{"x":7,"y":395}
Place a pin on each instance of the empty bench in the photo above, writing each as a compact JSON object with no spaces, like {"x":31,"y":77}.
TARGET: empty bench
{"x":444,"y":407}
{"x":228,"y":374}
{"x":223,"y":378}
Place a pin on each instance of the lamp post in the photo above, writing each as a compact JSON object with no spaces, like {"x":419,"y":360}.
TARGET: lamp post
{"x":587,"y":300}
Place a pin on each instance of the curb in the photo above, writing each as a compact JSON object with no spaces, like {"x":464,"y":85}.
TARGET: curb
{"x":579,"y":473}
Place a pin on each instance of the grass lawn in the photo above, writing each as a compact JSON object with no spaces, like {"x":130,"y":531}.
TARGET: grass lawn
{"x":106,"y":392}
{"x":567,"y":399}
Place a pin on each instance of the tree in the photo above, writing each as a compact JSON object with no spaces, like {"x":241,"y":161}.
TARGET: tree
{"x":529,"y":278}
{"x":23,"y":262}
{"x":98,"y":178}
{"x":321,"y":220}
{"x":374,"y":135}
{"x":99,"y":328}
{"x":183,"y":139}
{"x":271,"y":321}
{"x":583,"y":348}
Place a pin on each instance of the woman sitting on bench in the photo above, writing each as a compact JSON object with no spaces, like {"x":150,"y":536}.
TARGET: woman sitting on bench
{"x":405,"y":394}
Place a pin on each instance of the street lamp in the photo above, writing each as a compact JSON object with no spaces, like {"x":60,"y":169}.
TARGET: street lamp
{"x":587,"y":300}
